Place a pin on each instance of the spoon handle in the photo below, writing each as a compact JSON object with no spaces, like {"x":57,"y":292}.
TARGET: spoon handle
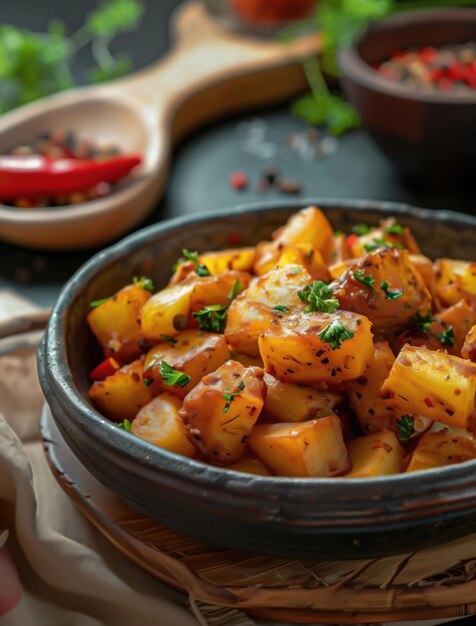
{"x":214,"y":71}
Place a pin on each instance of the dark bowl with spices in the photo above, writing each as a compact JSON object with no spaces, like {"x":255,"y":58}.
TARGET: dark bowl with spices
{"x":287,"y":517}
{"x":424,"y":120}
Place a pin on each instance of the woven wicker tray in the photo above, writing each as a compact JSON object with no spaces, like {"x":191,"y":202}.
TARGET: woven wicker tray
{"x":435,"y":583}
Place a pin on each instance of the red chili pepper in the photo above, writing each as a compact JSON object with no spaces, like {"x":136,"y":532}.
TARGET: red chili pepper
{"x":29,"y":176}
{"x":445,"y":84}
{"x":427,"y":55}
{"x":108,"y":367}
{"x":352,"y":240}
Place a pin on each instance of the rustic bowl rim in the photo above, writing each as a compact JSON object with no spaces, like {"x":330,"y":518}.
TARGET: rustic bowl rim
{"x":354,"y":67}
{"x":56,"y":378}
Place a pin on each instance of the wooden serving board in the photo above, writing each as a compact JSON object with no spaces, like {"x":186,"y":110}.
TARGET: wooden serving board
{"x":431,"y":584}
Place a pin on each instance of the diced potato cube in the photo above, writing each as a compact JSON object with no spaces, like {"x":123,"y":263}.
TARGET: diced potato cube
{"x":440,"y":449}
{"x":469,"y":347}
{"x":193,"y":352}
{"x":424,"y":266}
{"x":116,"y":323}
{"x":209,"y":290}
{"x":395,"y":295}
{"x":247,"y":361}
{"x":385,"y":235}
{"x":434,"y":384}
{"x":305,"y":255}
{"x":267,"y":255}
{"x":306,"y":449}
{"x":318,"y":347}
{"x":286,"y":402}
{"x":455,"y":280}
{"x":159,"y":423}
{"x":337,"y":249}
{"x":167,"y":312}
{"x":379,"y":454}
{"x":253,"y":311}
{"x":221,"y":410}
{"x":123,"y":394}
{"x":241,"y":259}
{"x":337,"y":269}
{"x":309,"y":225}
{"x":250,"y":464}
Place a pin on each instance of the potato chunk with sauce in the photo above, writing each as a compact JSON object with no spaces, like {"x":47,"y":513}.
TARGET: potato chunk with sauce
{"x":455,"y":280}
{"x":469,"y":347}
{"x":166,"y":312}
{"x":307,"y":449}
{"x":196,"y":353}
{"x":221,"y":410}
{"x":440,"y":449}
{"x":379,"y":454}
{"x":385,"y":287}
{"x":312,"y":348}
{"x":116,"y":323}
{"x":434,"y":384}
{"x":159,"y":423}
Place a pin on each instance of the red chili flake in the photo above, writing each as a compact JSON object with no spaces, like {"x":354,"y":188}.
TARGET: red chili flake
{"x":445,"y":84}
{"x":428,"y":403}
{"x":238,"y":180}
{"x":352,"y":240}
{"x":106,"y":368}
{"x":427,"y":54}
{"x":457,"y":71}
{"x":234,"y":239}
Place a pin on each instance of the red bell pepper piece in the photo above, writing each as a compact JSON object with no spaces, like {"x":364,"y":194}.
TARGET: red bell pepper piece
{"x":108,"y":367}
{"x":28,"y":176}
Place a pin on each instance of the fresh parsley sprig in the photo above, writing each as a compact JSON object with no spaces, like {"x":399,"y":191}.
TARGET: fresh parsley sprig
{"x":173,"y":377}
{"x":361,"y":229}
{"x":95,"y":303}
{"x":229,"y":397}
{"x":393,"y":229}
{"x":144,"y":282}
{"x":213,"y":316}
{"x":125,"y":425}
{"x":335,"y":334}
{"x":319,"y":298}
{"x":201,"y":269}
{"x":389,"y":293}
{"x":365,"y":279}
{"x":405,"y":427}
{"x":447,"y":337}
{"x":423,"y":322}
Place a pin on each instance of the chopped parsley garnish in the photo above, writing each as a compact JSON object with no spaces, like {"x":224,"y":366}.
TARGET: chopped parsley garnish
{"x":144,"y":282}
{"x":212,"y":317}
{"x":237,"y":287}
{"x":96,"y":303}
{"x":423,"y":322}
{"x":319,"y":298}
{"x":335,"y":334}
{"x":168,"y":339}
{"x":173,"y":377}
{"x":405,"y":427}
{"x":338,"y":233}
{"x":229,"y":397}
{"x":365,"y":279}
{"x":361,"y":229}
{"x":126,"y":425}
{"x":381,"y":243}
{"x":148,"y":381}
{"x":280,"y":308}
{"x":393,"y":229}
{"x":201,"y":270}
{"x":389,"y":294}
{"x":447,"y":337}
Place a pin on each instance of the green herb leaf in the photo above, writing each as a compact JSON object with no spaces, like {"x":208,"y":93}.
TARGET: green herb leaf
{"x":376,"y":245}
{"x":95,"y":303}
{"x":280,"y":308}
{"x":114,"y":16}
{"x":125,"y":424}
{"x":148,"y":381}
{"x":201,"y":270}
{"x":335,"y":334}
{"x":328,"y":110}
{"x":423,"y":322}
{"x":173,"y":377}
{"x":389,"y":294}
{"x":361,"y":229}
{"x":212,"y":317}
{"x":447,"y":337}
{"x":237,"y":287}
{"x":168,"y":339}
{"x":319,"y":298}
{"x":405,"y":427}
{"x":393,"y":229}
{"x":229,"y":397}
{"x":144,"y":282}
{"x":337,"y":233}
{"x":365,"y":279}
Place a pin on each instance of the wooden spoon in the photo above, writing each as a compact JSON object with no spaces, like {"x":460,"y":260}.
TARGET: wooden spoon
{"x":209,"y":72}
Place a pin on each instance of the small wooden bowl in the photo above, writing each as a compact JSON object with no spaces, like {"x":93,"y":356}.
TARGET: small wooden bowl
{"x":428,"y":135}
{"x":288,"y":517}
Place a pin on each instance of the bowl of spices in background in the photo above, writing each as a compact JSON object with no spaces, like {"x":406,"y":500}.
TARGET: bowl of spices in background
{"x":412,"y":78}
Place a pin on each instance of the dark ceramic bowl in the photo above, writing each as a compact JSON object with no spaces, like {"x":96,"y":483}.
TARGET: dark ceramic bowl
{"x":287,"y":517}
{"x":428,"y":135}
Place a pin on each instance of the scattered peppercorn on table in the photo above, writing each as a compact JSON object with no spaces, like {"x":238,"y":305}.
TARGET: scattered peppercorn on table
{"x":316,"y":354}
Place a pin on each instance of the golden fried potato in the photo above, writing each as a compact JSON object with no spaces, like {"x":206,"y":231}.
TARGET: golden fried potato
{"x":424,"y":266}
{"x":250,"y":464}
{"x":239,"y":259}
{"x":309,"y":225}
{"x":123,"y":394}
{"x":440,"y":449}
{"x":253,"y":311}
{"x":167,"y":312}
{"x":221,"y":410}
{"x":159,"y":423}
{"x":455,"y":280}
{"x":287,"y":402}
{"x":306,"y":449}
{"x":196,"y":353}
{"x":379,"y":454}
{"x":337,"y":269}
{"x":389,"y":234}
{"x":306,"y":256}
{"x":116,"y":323}
{"x":337,"y":249}
{"x":312,"y":348}
{"x":209,"y":290}
{"x":434,"y":384}
{"x":469,"y":347}
{"x":385,"y":287}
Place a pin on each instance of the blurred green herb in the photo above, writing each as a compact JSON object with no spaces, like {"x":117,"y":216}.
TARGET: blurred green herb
{"x":33,"y":65}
